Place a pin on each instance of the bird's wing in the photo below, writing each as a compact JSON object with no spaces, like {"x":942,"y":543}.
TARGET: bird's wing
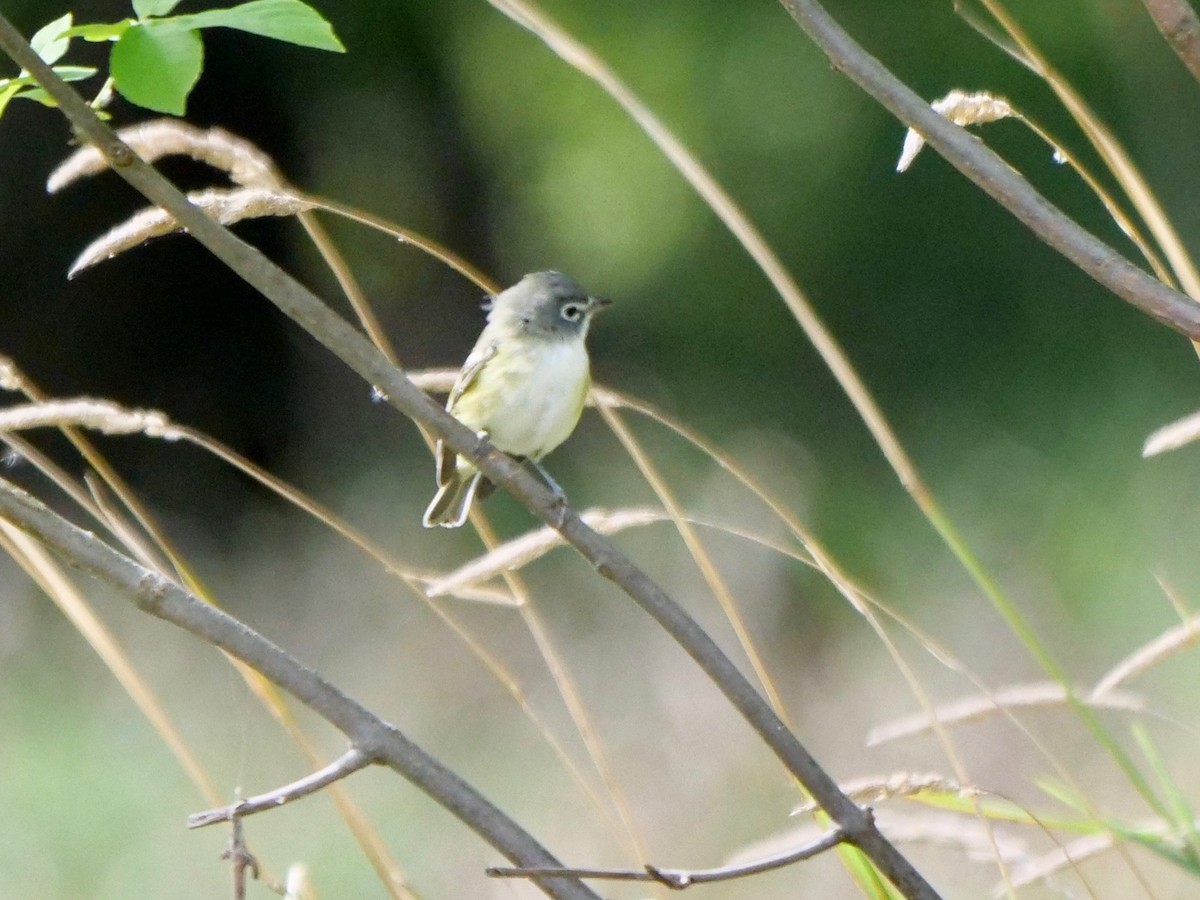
{"x":475,"y":362}
{"x":470,"y":370}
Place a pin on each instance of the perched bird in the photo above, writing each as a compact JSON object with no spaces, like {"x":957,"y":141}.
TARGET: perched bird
{"x":523,"y":386}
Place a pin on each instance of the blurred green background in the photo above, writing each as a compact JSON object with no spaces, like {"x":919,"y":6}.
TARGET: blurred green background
{"x":1022,"y":390}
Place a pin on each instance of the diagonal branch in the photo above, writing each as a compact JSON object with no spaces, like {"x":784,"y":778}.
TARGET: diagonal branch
{"x":1000,"y":181}
{"x":307,"y":310}
{"x":371,"y":736}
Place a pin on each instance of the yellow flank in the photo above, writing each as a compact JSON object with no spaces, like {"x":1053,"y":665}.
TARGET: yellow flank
{"x":529,"y":398}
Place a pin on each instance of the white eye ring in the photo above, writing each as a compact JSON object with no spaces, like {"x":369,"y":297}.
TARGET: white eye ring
{"x":572,"y":312}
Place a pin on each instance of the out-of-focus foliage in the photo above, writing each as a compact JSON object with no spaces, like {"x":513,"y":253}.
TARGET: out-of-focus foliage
{"x":1022,"y":390}
{"x":157,"y":58}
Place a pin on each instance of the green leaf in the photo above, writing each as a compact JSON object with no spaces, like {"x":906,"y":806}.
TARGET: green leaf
{"x":49,"y":43}
{"x":157,"y":65}
{"x":100,"y":31}
{"x":66,"y":73}
{"x":1000,"y":810}
{"x":147,"y":8}
{"x":37,"y":95}
{"x":283,"y":20}
{"x":1068,"y":797}
{"x":1164,"y":848}
{"x":6,"y":94}
{"x":74,"y":73}
{"x":1185,"y":822}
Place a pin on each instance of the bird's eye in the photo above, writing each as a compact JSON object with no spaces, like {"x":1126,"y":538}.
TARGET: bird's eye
{"x":572,"y":312}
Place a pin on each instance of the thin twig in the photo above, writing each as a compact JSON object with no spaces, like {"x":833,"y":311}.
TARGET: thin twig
{"x":356,"y":351}
{"x":1181,"y":27}
{"x":999,"y":180}
{"x":350,"y":762}
{"x":241,"y":860}
{"x":678,"y":879}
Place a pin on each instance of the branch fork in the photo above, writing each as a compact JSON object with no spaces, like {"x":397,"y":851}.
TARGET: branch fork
{"x":350,"y":762}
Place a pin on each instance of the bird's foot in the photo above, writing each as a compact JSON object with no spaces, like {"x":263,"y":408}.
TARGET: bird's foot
{"x":559,"y":502}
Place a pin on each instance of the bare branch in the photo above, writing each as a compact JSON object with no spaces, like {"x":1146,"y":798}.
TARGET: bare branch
{"x":241,"y":860}
{"x":373,"y":737}
{"x":350,"y":762}
{"x":1181,"y":27}
{"x":1000,"y":181}
{"x":678,"y":879}
{"x":358,"y":353}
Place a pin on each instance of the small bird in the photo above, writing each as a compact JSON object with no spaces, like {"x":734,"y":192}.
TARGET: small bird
{"x":523,"y":386}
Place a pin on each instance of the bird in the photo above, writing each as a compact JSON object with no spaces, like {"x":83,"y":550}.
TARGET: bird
{"x":522,"y":387}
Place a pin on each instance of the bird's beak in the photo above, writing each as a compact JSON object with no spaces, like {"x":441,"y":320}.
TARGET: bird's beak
{"x":599,"y":303}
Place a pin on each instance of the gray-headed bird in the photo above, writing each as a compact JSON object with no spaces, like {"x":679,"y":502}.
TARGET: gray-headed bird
{"x":523,"y":386}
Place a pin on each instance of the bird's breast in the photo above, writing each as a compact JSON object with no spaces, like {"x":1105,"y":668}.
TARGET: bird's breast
{"x":529,"y":399}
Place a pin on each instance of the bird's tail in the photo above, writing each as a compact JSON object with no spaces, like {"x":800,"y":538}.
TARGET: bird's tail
{"x":450,"y":505}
